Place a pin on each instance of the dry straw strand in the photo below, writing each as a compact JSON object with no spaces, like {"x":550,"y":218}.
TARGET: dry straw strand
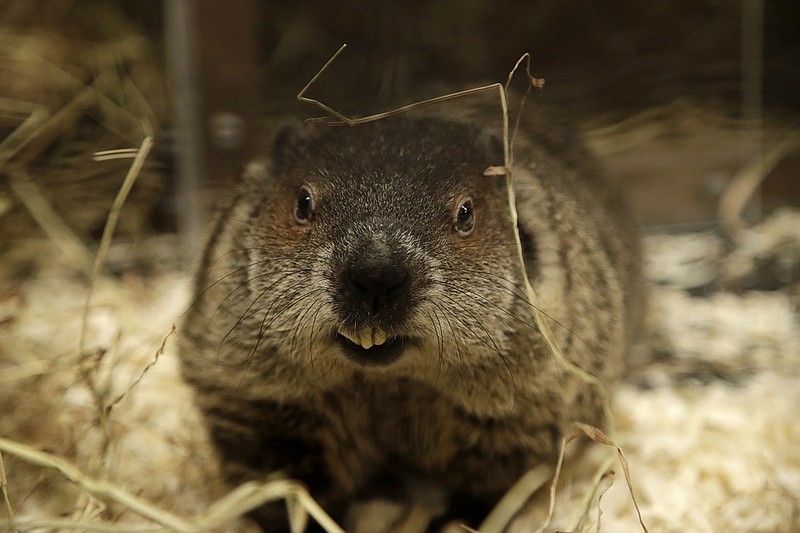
{"x":98,"y":489}
{"x":22,"y":134}
{"x":121,"y":153}
{"x":147,"y":368}
{"x":43,"y":127}
{"x":603,"y":480}
{"x":602,"y":487}
{"x":37,"y":204}
{"x":539,"y":316}
{"x":110,"y":227}
{"x":551,"y":504}
{"x":251,"y":495}
{"x":60,"y":524}
{"x":515,"y":499}
{"x":245,"y":498}
{"x":113,"y":116}
{"x":341,"y":119}
{"x":598,"y":436}
{"x":531,"y":83}
{"x":4,"y":489}
{"x":87,"y":364}
{"x":741,"y":188}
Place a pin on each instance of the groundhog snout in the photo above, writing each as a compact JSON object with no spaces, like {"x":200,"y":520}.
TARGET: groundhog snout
{"x":376,"y":283}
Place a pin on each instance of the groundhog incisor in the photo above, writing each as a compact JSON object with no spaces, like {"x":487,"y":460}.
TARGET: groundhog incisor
{"x":361,"y":318}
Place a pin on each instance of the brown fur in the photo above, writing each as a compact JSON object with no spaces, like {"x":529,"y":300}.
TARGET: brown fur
{"x":476,"y":398}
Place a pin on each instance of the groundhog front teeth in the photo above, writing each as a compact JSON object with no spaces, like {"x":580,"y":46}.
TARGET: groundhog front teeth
{"x":378,"y":337}
{"x":366,"y":338}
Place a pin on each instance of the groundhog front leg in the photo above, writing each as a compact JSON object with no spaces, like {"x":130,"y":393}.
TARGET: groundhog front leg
{"x":493,"y":458}
{"x":257,"y":439}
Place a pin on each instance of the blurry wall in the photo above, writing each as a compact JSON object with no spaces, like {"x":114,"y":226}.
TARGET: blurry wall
{"x":709,"y":72}
{"x":678,"y":98}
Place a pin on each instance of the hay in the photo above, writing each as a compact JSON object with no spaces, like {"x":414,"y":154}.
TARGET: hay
{"x":709,"y":427}
{"x":98,"y":432}
{"x":73,"y":83}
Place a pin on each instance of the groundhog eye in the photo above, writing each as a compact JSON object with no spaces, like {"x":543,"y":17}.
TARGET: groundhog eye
{"x":304,"y":206}
{"x":464,"y":218}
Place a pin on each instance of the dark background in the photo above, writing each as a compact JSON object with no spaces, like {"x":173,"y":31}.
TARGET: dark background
{"x":603,"y":62}
{"x":676,"y":97}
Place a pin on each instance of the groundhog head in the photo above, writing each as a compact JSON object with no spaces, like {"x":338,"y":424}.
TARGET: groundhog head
{"x":380,"y":245}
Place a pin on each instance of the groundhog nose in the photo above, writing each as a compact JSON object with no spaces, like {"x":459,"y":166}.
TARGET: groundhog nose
{"x":379,"y":286}
{"x":377,"y":281}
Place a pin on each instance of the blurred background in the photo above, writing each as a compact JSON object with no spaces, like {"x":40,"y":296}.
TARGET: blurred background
{"x":678,"y":98}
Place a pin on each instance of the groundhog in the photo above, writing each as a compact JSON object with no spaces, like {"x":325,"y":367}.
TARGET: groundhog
{"x":361,"y":319}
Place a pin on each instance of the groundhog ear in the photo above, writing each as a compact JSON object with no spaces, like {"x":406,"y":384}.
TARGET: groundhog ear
{"x":492,"y":147}
{"x":290,"y":142}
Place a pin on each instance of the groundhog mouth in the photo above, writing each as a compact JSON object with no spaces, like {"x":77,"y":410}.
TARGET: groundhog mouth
{"x":371,"y":347}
